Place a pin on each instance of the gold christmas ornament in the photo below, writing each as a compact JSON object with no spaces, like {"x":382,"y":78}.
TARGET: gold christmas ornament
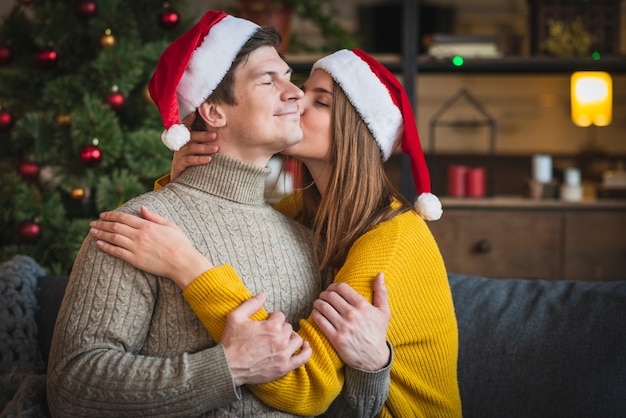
{"x":146,"y":96}
{"x":77,"y":193}
{"x":107,"y":40}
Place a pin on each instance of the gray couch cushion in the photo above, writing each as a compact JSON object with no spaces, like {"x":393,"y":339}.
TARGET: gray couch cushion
{"x":18,"y":304}
{"x":533,"y":348}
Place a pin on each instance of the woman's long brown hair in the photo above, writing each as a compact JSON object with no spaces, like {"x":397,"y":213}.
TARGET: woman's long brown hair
{"x":359,"y":192}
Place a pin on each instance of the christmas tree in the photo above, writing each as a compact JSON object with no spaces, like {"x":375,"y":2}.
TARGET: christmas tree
{"x":78,"y":129}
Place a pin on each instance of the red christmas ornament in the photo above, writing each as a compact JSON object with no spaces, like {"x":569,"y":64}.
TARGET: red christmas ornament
{"x":6,"y":120}
{"x":28,"y":170}
{"x":169,"y":18}
{"x":90,"y":156}
{"x":115,"y":100}
{"x":6,"y":55}
{"x":29,"y":231}
{"x":85,"y":9}
{"x":47,"y":58}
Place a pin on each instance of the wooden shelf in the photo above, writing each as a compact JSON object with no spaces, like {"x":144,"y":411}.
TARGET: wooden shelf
{"x":522,"y":65}
{"x":507,"y":65}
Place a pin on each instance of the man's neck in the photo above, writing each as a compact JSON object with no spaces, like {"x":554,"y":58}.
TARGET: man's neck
{"x":228,"y":178}
{"x":252,"y":156}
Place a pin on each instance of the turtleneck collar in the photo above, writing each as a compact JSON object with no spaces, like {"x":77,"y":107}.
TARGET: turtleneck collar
{"x":229,"y":179}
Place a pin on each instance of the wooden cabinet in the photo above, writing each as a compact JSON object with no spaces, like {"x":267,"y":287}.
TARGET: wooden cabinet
{"x":533,"y":239}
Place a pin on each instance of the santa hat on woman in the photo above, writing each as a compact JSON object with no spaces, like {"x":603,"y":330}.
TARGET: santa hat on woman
{"x":192,"y":67}
{"x":382,"y":102}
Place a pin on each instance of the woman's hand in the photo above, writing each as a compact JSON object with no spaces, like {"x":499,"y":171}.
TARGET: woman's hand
{"x":356,"y":329}
{"x":152,"y":244}
{"x":195,"y":152}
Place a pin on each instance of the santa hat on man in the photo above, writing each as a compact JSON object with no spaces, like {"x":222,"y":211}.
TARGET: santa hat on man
{"x":192,"y":67}
{"x":384,"y":105}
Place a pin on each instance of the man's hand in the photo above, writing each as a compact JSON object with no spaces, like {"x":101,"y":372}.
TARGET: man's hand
{"x":261,"y":351}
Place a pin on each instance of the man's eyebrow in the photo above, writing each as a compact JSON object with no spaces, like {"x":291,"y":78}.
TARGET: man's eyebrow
{"x":261,"y":73}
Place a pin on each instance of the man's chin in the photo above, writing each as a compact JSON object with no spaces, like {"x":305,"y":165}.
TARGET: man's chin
{"x":290,"y":149}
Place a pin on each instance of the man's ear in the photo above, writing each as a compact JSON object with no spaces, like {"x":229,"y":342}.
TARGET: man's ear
{"x":212,"y":114}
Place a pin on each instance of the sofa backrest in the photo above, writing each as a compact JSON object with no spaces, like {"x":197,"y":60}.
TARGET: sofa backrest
{"x":533,"y":348}
{"x":49,"y":297}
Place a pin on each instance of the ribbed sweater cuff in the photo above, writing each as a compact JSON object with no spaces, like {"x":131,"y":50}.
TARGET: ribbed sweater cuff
{"x":359,"y":382}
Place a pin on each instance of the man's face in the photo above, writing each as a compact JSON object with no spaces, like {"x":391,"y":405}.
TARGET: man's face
{"x":266,"y":118}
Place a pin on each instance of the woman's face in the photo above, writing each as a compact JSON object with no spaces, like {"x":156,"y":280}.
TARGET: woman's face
{"x":315,"y":120}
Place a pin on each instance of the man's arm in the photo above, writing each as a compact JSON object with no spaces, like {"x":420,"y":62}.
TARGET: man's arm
{"x":105,"y":358}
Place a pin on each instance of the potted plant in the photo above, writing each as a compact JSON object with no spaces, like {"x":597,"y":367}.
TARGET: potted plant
{"x":279,"y":14}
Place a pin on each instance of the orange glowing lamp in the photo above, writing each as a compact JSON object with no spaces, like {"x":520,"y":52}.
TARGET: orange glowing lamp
{"x":592,"y":98}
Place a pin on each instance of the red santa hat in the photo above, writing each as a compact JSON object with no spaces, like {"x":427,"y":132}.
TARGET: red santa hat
{"x":192,"y":67}
{"x":382,"y":102}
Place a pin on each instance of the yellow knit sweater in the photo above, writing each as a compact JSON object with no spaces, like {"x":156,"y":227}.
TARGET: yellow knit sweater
{"x":423,"y":328}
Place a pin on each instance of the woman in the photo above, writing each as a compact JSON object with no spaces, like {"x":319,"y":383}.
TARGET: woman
{"x":354,"y":115}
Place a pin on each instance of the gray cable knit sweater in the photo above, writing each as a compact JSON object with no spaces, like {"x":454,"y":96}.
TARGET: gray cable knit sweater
{"x":127,"y":344}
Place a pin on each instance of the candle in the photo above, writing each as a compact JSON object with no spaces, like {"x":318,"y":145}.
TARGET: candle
{"x":475,"y":182}
{"x":456,"y":180}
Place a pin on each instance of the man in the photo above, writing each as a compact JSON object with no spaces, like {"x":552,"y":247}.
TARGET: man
{"x":126,"y":343}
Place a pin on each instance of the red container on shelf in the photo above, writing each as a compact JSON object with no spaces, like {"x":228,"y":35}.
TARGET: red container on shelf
{"x":456,"y":180}
{"x":475,"y":182}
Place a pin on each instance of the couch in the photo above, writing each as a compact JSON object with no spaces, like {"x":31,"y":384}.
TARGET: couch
{"x":527,"y":348}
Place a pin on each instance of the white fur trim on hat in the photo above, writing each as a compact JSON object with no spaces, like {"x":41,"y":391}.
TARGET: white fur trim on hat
{"x":368,"y":95}
{"x":175,"y":137}
{"x":211,"y":61}
{"x":428,"y":207}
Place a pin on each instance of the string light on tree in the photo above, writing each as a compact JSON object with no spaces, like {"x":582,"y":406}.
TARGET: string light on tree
{"x":28,"y":170}
{"x":29,"y":231}
{"x":63,"y":119}
{"x":6,"y":120}
{"x":168,"y":18}
{"x":46,"y":58}
{"x":86,"y":9}
{"x":107,"y":41}
{"x":90,"y":155}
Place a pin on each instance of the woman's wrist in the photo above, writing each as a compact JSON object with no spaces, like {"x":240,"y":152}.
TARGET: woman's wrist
{"x":192,"y":267}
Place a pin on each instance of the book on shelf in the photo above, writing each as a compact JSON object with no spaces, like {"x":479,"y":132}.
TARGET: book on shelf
{"x":467,"y":46}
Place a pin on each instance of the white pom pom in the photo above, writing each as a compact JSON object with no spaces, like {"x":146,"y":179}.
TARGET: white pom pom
{"x":175,"y":137}
{"x":428,"y":207}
